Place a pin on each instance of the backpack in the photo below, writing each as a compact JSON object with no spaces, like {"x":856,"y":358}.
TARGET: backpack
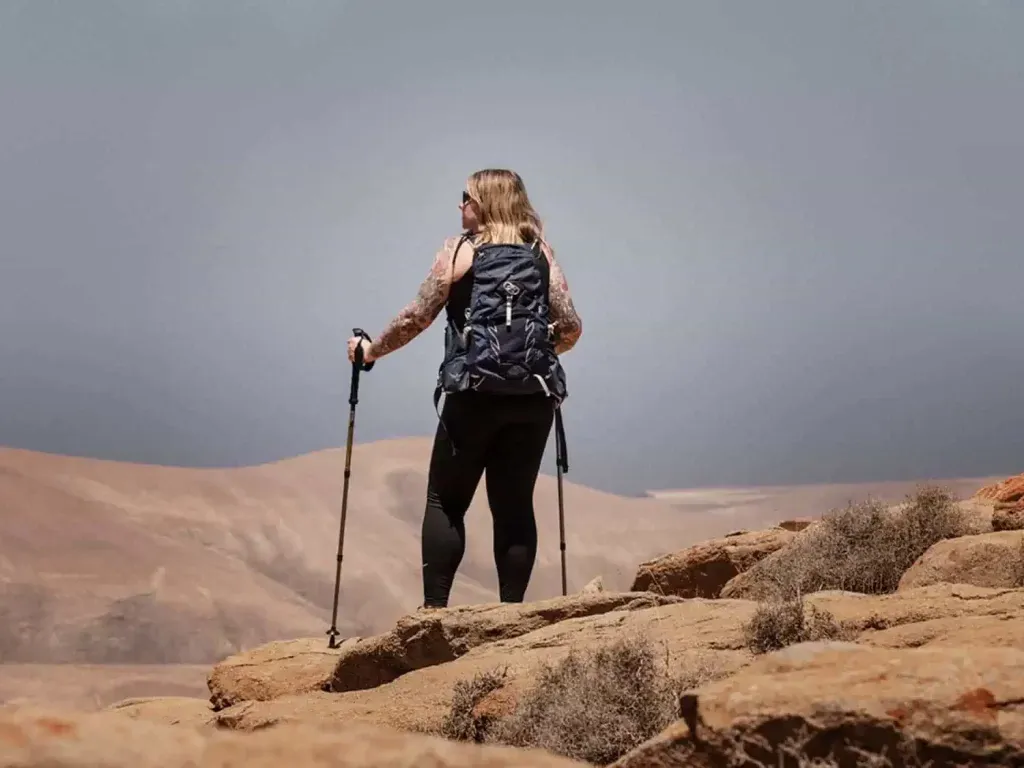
{"x":505,"y":346}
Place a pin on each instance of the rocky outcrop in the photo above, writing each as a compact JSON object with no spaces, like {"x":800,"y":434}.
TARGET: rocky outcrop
{"x":841,"y":700}
{"x":171,"y":710}
{"x":424,"y":639}
{"x":988,"y":631}
{"x":985,"y":560}
{"x":1005,"y":495}
{"x":866,"y":614}
{"x":702,"y":640}
{"x":274,"y":670}
{"x":41,"y":739}
{"x":704,"y":569}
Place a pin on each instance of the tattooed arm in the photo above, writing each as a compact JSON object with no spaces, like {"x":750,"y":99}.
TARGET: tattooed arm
{"x":565,"y":321}
{"x":419,"y":313}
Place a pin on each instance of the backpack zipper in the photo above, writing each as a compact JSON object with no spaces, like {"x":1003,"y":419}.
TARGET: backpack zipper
{"x":511,"y":291}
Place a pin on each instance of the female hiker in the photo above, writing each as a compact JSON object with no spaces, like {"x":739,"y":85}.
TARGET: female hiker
{"x":509,"y":314}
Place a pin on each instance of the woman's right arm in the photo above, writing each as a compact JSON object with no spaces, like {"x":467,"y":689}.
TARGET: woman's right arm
{"x":565,"y":321}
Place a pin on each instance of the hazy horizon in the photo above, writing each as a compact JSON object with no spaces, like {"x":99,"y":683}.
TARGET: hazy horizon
{"x":793,"y":231}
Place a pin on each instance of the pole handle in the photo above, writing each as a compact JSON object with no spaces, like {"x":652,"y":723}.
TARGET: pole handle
{"x":358,"y":365}
{"x":359,"y":351}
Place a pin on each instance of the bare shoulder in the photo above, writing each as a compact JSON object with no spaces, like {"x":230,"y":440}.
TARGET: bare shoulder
{"x":444,"y":256}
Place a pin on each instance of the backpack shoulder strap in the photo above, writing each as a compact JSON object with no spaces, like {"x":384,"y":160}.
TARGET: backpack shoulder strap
{"x":465,"y":237}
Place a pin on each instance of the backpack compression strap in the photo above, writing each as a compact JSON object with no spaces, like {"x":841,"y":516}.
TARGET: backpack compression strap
{"x":466,"y":237}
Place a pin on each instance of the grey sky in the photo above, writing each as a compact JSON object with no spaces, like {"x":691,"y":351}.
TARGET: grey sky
{"x":793,"y":229}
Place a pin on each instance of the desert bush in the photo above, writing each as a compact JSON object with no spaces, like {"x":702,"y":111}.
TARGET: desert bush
{"x":864,"y":547}
{"x":594,"y":705}
{"x":461,"y":722}
{"x":1018,"y":565}
{"x":777,"y":624}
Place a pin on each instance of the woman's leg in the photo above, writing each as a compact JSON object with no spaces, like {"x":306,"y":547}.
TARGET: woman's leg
{"x":512,"y":466}
{"x":451,"y":483}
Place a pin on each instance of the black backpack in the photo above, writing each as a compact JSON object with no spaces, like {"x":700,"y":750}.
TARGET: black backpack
{"x":505,"y":344}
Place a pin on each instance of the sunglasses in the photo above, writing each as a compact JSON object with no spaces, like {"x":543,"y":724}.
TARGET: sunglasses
{"x":466,"y":198}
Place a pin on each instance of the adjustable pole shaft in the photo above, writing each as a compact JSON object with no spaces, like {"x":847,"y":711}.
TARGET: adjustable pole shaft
{"x":562,"y":463}
{"x":353,"y":398}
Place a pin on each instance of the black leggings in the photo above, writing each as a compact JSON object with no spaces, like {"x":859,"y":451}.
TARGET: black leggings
{"x":506,"y":436}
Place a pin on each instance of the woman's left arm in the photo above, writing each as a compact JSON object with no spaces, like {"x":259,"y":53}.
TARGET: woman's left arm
{"x":419,"y":313}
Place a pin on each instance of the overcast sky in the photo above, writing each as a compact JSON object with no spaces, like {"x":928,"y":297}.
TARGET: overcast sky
{"x":794,"y":230}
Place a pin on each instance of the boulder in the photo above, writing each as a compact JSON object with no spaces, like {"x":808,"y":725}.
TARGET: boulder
{"x":998,"y":630}
{"x":171,"y":710}
{"x":596,"y":584}
{"x":424,"y":639}
{"x":1007,"y":494}
{"x":704,"y":569}
{"x":954,"y":705}
{"x":985,"y":560}
{"x":275,"y":669}
{"x":867,"y":614}
{"x":44,"y":739}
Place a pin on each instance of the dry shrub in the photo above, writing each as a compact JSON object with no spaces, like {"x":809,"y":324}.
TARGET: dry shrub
{"x":1018,"y":565}
{"x":777,"y":624}
{"x":461,"y":722}
{"x":593,"y":705}
{"x":864,"y":547}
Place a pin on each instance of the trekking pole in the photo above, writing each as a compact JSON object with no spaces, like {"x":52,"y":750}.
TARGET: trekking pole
{"x":353,"y":398}
{"x":562,"y":463}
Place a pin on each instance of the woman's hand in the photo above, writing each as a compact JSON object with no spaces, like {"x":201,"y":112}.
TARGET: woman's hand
{"x":357,"y":341}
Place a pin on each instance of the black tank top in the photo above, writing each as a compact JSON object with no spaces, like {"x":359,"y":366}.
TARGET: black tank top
{"x":458,"y":299}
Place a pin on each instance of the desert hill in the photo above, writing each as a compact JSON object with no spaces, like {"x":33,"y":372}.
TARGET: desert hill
{"x":120,"y":563}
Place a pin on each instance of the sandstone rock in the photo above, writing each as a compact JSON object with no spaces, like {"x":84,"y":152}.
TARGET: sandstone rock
{"x":865,"y":614}
{"x":985,"y":560}
{"x":702,"y":570}
{"x":1001,"y":631}
{"x":424,"y":639}
{"x":701,"y":638}
{"x":979,"y":514}
{"x":961,"y":707}
{"x":593,"y":586}
{"x":40,"y":739}
{"x":172,"y":710}
{"x":1007,"y":494}
{"x":275,"y":669}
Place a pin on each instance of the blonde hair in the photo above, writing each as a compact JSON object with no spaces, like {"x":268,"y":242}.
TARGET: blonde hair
{"x":506,"y":215}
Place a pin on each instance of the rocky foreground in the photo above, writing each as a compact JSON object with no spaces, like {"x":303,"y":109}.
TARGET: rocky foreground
{"x":927,"y":671}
